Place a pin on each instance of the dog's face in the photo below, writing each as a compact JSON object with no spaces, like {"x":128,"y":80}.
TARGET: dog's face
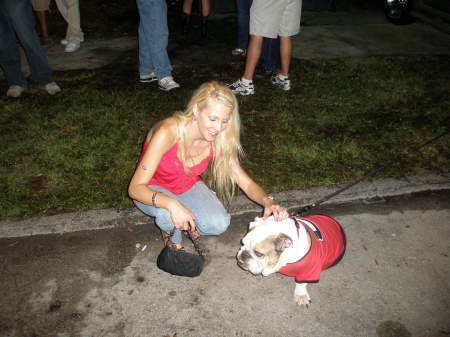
{"x":263,"y":246}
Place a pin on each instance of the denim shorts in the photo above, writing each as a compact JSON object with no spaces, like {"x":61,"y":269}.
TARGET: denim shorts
{"x":211,"y":216}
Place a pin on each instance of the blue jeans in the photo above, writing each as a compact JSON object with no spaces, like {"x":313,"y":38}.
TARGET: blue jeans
{"x":16,"y":18}
{"x":153,"y":38}
{"x":270,"y":54}
{"x":211,"y":217}
{"x":243,"y":22}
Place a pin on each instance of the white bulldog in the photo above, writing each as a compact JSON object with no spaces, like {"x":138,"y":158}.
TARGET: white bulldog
{"x":300,"y":247}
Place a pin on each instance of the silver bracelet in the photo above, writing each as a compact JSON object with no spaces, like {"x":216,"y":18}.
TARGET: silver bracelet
{"x":270,"y":197}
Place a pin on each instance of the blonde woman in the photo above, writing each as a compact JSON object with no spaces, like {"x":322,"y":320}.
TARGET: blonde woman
{"x":202,"y":140}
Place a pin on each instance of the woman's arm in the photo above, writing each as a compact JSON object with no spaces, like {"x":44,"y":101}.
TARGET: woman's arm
{"x":258,"y":195}
{"x":163,"y":138}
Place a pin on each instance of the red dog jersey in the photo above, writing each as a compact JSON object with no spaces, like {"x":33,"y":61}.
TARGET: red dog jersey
{"x":327,"y":249}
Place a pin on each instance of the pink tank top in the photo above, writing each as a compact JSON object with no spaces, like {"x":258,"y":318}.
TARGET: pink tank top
{"x":170,"y":173}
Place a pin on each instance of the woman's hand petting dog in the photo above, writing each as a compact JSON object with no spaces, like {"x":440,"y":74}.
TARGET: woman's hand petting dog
{"x":272,"y":208}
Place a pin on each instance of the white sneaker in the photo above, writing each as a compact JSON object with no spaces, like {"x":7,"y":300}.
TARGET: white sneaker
{"x":283,"y":83}
{"x":15,"y":91}
{"x":239,"y":87}
{"x":167,"y":83}
{"x":64,"y":42}
{"x":52,"y":88}
{"x":148,"y":78}
{"x":71,"y":47}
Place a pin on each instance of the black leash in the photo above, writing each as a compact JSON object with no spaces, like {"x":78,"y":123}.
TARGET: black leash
{"x":309,"y":207}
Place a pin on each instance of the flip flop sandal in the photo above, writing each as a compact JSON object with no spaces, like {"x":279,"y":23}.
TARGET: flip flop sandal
{"x":167,"y":242}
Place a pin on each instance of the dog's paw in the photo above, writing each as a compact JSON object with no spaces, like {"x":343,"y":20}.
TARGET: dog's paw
{"x":302,"y":300}
{"x":301,"y":295}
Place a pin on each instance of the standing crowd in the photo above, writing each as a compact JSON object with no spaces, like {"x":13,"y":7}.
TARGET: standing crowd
{"x":264,"y":30}
{"x":17,"y":25}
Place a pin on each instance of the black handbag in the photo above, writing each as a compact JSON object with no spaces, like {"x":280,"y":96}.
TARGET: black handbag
{"x":181,"y":263}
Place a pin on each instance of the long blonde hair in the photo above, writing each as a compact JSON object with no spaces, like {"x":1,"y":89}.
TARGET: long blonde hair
{"x":227,"y":146}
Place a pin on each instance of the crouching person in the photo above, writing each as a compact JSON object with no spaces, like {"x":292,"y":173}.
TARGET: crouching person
{"x":203,"y":141}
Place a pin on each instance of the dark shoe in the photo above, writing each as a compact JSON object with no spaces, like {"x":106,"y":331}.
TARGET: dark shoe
{"x":185,"y":24}
{"x":204,"y":26}
{"x":167,"y":242}
{"x":197,"y":242}
{"x":200,"y":246}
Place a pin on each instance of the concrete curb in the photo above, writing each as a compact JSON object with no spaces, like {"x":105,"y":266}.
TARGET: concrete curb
{"x":112,"y":218}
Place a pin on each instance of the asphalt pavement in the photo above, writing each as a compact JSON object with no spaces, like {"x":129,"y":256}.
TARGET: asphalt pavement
{"x":93,"y":273}
{"x":393,"y":281}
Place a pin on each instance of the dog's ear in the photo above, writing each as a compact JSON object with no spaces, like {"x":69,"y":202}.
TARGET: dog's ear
{"x":281,"y":242}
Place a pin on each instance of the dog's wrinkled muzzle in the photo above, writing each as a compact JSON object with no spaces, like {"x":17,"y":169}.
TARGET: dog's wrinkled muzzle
{"x":242,"y":259}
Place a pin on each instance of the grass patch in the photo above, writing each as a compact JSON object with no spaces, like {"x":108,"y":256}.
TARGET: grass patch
{"x":77,"y":150}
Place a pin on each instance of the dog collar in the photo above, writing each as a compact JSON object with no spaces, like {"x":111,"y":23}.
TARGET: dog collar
{"x":311,"y":225}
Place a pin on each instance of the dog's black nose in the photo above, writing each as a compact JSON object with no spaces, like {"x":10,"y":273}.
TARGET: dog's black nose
{"x":245,"y":255}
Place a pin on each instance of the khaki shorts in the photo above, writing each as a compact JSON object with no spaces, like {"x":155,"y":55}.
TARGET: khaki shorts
{"x":273,"y":18}
{"x":41,"y":5}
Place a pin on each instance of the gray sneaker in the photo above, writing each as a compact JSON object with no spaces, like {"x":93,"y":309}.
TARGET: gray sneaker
{"x":284,"y":84}
{"x":147,"y":78}
{"x":15,"y":91}
{"x":167,"y":83}
{"x":51,"y":88}
{"x":239,"y":87}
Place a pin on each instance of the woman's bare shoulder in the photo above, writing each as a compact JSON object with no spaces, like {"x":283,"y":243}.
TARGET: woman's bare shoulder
{"x":166,"y":129}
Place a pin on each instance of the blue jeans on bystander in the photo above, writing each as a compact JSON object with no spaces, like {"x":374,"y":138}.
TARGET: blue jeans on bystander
{"x":153,"y":38}
{"x":17,"y":19}
{"x":243,"y":22}
{"x":270,"y":54}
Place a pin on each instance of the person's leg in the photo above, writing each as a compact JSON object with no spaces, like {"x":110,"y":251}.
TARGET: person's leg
{"x":153,"y":38}
{"x":206,"y":7}
{"x":274,"y":60}
{"x":41,"y":7}
{"x":42,"y":18}
{"x":243,"y":21}
{"x":265,"y":17}
{"x":253,"y":54}
{"x":9,"y":53}
{"x":211,"y":216}
{"x":145,"y":60}
{"x":162,"y":217}
{"x":62,"y":8}
{"x":23,"y":22}
{"x":74,"y":32}
{"x":285,"y":54}
{"x":270,"y":57}
{"x":156,"y":33}
{"x":187,"y":6}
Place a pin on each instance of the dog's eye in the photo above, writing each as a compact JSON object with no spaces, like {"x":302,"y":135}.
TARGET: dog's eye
{"x":258,"y":254}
